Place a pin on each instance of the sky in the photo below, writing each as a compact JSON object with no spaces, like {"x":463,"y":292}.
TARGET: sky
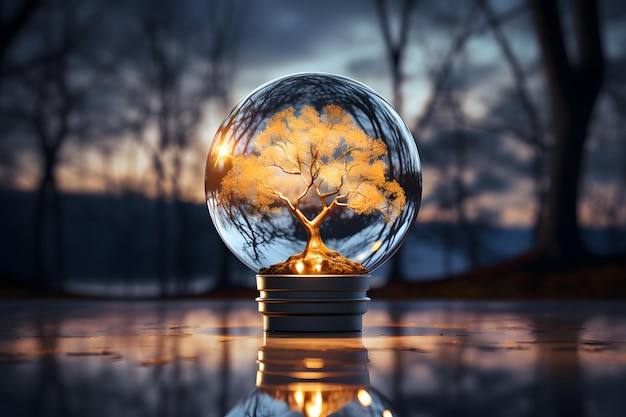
{"x":281,"y":37}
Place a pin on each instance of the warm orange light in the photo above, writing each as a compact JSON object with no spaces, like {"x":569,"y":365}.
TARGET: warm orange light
{"x":320,"y":400}
{"x":313,"y":363}
{"x":376,"y":245}
{"x":314,"y":408}
{"x":364,"y":398}
{"x":298,"y":396}
{"x":387,"y":413}
{"x":318,"y":265}
{"x":299,"y":267}
{"x":223,"y":152}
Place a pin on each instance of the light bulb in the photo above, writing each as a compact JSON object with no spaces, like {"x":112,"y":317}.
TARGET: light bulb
{"x":313,"y":174}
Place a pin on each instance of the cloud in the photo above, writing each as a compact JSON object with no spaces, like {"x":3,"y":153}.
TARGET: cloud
{"x":277,"y":31}
{"x":473,"y":75}
{"x":365,"y":67}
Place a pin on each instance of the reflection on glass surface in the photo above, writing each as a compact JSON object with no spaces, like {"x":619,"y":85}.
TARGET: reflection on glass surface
{"x":313,"y":163}
{"x":313,"y":377}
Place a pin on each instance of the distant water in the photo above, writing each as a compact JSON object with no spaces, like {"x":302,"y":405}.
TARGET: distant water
{"x":111,"y":247}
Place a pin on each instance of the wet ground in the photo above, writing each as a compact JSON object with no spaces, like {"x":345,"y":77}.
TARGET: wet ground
{"x":200,"y":358}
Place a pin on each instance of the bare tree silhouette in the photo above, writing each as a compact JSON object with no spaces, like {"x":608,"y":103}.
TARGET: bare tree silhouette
{"x":183,"y":73}
{"x":396,"y":45}
{"x":396,"y":51}
{"x":532,"y":132}
{"x":573,"y":88}
{"x":442,"y":69}
{"x":52,"y":108}
{"x":439,"y":110}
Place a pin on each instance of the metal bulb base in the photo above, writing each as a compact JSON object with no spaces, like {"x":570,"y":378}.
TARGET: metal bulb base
{"x":312,"y":303}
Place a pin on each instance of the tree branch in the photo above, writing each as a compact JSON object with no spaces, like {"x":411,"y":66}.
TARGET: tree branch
{"x":550,"y":33}
{"x":590,"y":50}
{"x":9,"y":30}
{"x":445,"y":70}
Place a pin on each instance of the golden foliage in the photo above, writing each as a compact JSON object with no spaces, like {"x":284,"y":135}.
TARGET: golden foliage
{"x":306,"y":154}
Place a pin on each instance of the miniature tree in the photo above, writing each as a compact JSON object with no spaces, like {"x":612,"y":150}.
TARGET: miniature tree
{"x":309,"y":159}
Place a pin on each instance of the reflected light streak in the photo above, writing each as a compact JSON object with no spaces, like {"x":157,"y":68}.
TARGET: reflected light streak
{"x":314,"y":408}
{"x":313,"y":363}
{"x":364,"y":398}
{"x":316,"y":399}
{"x":298,"y":396}
{"x":376,"y":245}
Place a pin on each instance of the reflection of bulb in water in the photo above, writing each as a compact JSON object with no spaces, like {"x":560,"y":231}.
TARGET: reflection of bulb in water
{"x":313,"y":377}
{"x":313,"y":174}
{"x":319,"y":402}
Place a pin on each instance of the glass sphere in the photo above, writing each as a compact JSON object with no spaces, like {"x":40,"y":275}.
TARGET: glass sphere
{"x":313,"y":164}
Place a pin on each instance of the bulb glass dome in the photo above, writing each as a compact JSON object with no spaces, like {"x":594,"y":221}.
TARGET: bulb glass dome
{"x":317,"y":165}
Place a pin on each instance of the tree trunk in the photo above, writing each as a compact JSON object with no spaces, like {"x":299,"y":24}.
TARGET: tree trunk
{"x":49,"y":236}
{"x":314,"y":243}
{"x":558,"y":232}
{"x":573,"y":90}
